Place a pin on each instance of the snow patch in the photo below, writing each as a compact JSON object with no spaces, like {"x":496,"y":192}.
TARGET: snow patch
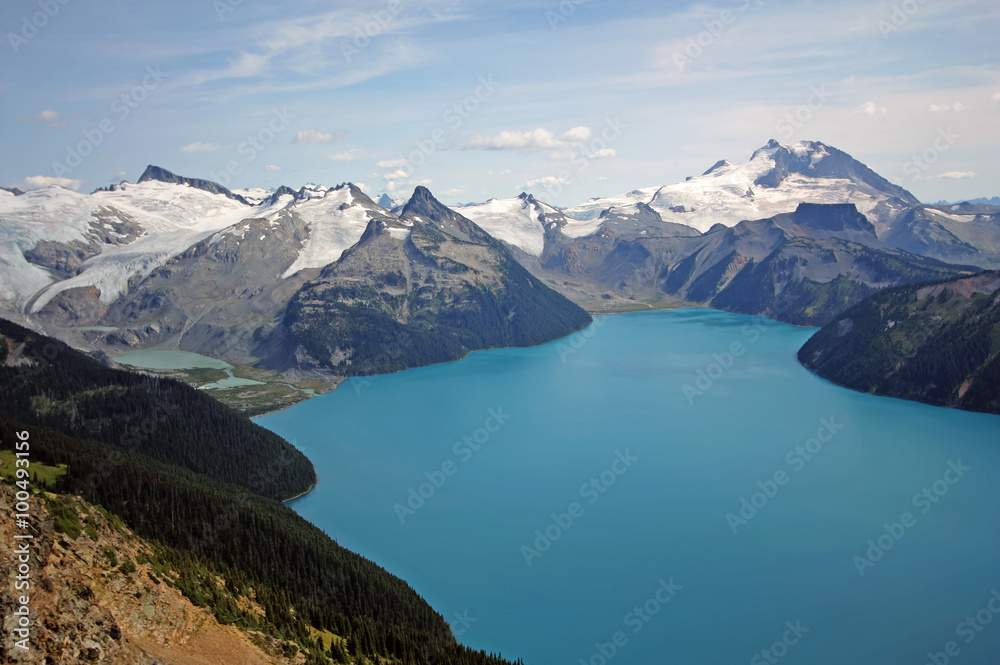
{"x":514,"y":221}
{"x":335,"y":223}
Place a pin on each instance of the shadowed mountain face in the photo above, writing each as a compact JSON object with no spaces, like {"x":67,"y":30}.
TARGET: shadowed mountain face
{"x":803,"y":267}
{"x":958,"y":233}
{"x":937,"y":343}
{"x":428,"y":287}
{"x":222,"y":295}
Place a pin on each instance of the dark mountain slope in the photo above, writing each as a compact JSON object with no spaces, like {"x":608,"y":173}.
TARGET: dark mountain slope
{"x":428,"y":287}
{"x":936,"y":343}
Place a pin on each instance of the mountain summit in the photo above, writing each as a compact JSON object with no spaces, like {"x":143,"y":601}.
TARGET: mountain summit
{"x":773,"y":181}
{"x":160,"y":174}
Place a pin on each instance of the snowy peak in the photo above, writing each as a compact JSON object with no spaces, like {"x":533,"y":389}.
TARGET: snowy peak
{"x":54,"y":239}
{"x":773,"y":181}
{"x":160,"y":174}
{"x":335,"y":218}
{"x":253,"y":195}
{"x":818,"y":160}
{"x":388,"y":203}
{"x":721,"y":164}
{"x":519,"y":221}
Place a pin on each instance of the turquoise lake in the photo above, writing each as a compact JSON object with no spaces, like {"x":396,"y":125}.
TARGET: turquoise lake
{"x":666,"y":487}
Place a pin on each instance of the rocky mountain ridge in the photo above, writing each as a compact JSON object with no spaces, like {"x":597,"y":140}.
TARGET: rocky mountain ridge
{"x":178,"y":263}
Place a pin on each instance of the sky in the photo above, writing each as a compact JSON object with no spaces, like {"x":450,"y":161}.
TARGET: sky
{"x":567,"y":100}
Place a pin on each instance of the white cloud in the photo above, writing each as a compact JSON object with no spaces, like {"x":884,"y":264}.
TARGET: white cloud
{"x":395,"y":185}
{"x":198,"y":146}
{"x":362,"y":186}
{"x":272,"y":167}
{"x":508,"y":140}
{"x":532,"y":139}
{"x":48,"y":115}
{"x":603,"y":153}
{"x":346,"y":156}
{"x":395,"y":175}
{"x":996,"y":96}
{"x":957,"y":107}
{"x":545,"y":182}
{"x":391,"y":163}
{"x":36,"y":181}
{"x":577,"y":135}
{"x":953,"y":175}
{"x":453,"y":192}
{"x":504,"y":172}
{"x":562,"y":155}
{"x":316,"y":136}
{"x":118,"y":177}
{"x":871,"y":108}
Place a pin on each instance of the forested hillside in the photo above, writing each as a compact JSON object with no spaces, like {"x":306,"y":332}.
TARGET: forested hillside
{"x":193,"y":476}
{"x":937,"y":343}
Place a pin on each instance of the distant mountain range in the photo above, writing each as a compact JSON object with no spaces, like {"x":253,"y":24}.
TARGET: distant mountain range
{"x":323,"y":282}
{"x":993,"y":201}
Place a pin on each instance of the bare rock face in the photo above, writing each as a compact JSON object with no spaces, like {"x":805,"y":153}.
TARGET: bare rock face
{"x":99,"y":601}
{"x":109,"y":227}
{"x":82,"y":303}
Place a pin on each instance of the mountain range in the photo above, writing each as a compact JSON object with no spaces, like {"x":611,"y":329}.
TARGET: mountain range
{"x":323,"y":282}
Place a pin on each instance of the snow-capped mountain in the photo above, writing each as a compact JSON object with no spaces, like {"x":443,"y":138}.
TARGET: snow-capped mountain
{"x":255,"y":195}
{"x":335,"y":218}
{"x":176,"y":262}
{"x":53,"y":239}
{"x":389,"y":203}
{"x":775,"y":180}
{"x":519,"y":221}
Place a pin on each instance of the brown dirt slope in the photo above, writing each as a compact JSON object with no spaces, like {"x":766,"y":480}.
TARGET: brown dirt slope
{"x":84,"y":609}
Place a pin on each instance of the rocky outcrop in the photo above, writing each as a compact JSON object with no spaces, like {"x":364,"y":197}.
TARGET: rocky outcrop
{"x":97,"y":599}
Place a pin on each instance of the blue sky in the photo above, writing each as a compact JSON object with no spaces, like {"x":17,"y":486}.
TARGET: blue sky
{"x":568,"y":100}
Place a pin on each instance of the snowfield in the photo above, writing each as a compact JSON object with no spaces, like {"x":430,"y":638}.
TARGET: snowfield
{"x":727,"y":194}
{"x":515,"y":221}
{"x":335,"y":222}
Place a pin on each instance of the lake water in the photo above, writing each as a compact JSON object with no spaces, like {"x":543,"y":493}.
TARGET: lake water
{"x":666,"y":487}
{"x":174,"y":359}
